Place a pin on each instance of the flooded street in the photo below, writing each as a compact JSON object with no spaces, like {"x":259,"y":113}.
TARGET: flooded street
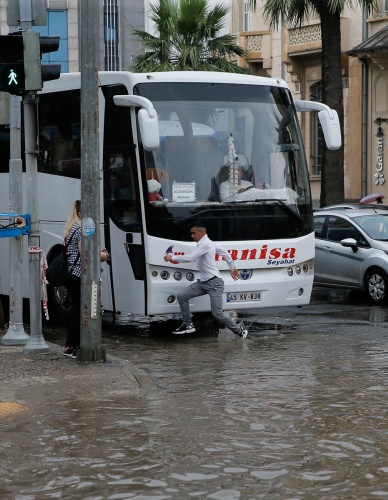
{"x":298,"y":410}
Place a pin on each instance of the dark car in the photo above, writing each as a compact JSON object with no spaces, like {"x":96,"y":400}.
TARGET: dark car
{"x":351,"y":250}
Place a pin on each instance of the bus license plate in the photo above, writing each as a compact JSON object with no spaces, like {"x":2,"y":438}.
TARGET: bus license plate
{"x":242,"y":296}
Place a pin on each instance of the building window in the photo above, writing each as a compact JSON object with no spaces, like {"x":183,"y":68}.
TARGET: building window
{"x":111,"y":35}
{"x":246,"y":16}
{"x":56,"y":26}
{"x":316,"y":134}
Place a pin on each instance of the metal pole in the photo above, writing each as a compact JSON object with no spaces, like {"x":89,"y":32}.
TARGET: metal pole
{"x":15,"y":334}
{"x":36,"y":343}
{"x":91,"y":339}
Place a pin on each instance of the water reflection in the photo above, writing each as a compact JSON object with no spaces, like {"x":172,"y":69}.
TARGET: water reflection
{"x":289,"y":413}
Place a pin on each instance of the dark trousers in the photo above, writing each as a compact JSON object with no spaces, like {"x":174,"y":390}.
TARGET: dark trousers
{"x":73,"y":323}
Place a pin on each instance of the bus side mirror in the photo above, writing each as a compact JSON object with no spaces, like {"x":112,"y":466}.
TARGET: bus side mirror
{"x":329,"y":121}
{"x":147,"y":116}
{"x":149,"y":130}
{"x":331,"y":128}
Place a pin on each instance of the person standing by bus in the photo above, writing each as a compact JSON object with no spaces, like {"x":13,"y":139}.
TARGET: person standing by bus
{"x":209,"y":282}
{"x":72,"y":241}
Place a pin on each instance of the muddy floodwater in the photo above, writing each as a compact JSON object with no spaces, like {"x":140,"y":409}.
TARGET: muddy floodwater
{"x":296,"y":411}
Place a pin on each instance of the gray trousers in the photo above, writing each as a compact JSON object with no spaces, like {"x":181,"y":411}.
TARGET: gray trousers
{"x":214,"y":288}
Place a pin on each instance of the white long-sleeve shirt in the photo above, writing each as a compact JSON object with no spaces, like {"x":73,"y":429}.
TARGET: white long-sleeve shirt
{"x":204,"y":256}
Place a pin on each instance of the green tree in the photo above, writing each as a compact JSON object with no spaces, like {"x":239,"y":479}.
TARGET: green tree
{"x":188,"y":39}
{"x":329,"y":11}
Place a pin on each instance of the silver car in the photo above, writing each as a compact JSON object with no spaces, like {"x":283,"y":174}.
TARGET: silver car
{"x":351,"y":250}
{"x":354,"y":206}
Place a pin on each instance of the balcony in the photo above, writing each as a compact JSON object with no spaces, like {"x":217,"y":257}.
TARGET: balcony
{"x":257,"y":45}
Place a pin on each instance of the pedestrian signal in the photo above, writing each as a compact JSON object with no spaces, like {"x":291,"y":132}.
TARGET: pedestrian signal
{"x":36,"y":72}
{"x":11,"y":64}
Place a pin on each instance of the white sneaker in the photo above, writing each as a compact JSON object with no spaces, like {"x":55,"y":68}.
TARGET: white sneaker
{"x":184,"y":329}
{"x":243,"y":333}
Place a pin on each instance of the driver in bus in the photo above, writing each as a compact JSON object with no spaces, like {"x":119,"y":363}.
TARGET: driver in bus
{"x":245,"y":189}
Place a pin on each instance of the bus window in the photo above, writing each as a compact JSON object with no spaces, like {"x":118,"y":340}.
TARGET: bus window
{"x":121,"y":192}
{"x":59,"y":116}
{"x":120,"y":177}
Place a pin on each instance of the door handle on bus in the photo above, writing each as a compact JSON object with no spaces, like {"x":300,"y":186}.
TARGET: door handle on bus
{"x":326,"y":249}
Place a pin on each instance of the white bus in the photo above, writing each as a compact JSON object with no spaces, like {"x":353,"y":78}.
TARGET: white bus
{"x":187,"y":133}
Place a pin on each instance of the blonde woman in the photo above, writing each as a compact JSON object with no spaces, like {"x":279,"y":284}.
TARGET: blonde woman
{"x":72,"y":241}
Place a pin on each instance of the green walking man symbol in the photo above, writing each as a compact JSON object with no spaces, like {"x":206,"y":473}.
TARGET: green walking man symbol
{"x":12,"y":78}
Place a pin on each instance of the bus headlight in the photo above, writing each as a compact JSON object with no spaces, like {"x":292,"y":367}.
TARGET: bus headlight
{"x":171,"y":299}
{"x":305,"y":268}
{"x":177,"y":275}
{"x":297,"y":269}
{"x":190,"y":276}
{"x":164,"y":275}
{"x":154,"y":273}
{"x":290,"y":272}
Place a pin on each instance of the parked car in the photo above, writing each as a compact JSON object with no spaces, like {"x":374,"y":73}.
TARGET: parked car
{"x":354,"y":206}
{"x":351,"y":250}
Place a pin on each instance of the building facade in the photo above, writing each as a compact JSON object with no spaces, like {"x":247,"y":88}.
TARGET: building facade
{"x":294,"y":54}
{"x":118,"y":46}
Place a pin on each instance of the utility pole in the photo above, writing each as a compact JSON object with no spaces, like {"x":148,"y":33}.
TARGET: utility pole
{"x":91,"y":339}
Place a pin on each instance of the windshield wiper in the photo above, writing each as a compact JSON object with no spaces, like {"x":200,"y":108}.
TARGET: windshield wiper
{"x":282,"y":204}
{"x":232,"y":204}
{"x":193,"y":216}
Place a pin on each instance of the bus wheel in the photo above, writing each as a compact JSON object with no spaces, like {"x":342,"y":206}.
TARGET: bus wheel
{"x":162,"y":328}
{"x":59,"y":303}
{"x":205,"y":323}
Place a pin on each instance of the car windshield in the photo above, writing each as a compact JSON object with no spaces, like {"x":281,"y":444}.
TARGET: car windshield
{"x":375,"y":226}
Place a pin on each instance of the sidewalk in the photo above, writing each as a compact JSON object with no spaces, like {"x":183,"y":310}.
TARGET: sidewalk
{"x":38,"y":379}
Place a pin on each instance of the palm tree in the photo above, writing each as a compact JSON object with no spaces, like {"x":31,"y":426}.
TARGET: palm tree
{"x":329,"y":11}
{"x":188,"y":39}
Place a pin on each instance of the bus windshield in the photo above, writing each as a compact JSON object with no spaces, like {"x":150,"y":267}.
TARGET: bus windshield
{"x":224,"y":147}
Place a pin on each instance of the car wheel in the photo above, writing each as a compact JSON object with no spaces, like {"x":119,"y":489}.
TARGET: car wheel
{"x":376,"y":284}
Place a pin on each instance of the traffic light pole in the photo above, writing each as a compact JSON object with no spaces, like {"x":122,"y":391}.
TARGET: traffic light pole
{"x":36,"y":343}
{"x":15,"y":334}
{"x":91,"y":337}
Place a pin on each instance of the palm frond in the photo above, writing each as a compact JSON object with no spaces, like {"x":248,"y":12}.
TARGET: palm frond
{"x":188,"y":38}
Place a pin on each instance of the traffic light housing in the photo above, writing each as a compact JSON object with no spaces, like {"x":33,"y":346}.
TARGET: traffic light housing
{"x":20,"y":62}
{"x":35,"y":72}
{"x":12,"y":76}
